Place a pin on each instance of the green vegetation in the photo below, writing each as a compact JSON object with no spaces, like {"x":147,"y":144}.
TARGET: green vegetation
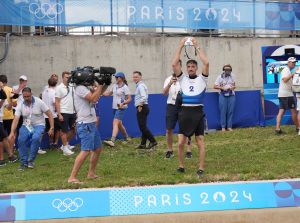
{"x":241,"y":155}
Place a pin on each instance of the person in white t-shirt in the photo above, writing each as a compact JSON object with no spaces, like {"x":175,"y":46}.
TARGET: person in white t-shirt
{"x":286,"y":96}
{"x":171,"y":88}
{"x":121,"y":99}
{"x":48,"y":96}
{"x":87,"y":130}
{"x":64,"y":105}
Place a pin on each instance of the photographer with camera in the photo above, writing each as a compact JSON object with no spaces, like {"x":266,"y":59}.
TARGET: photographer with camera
{"x":88,"y":90}
{"x":191,"y":115}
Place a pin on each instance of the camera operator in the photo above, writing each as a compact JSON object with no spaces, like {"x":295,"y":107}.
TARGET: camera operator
{"x":84,"y":98}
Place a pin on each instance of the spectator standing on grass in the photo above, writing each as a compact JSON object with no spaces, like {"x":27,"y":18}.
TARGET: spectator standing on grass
{"x":121,"y":99}
{"x":64,"y":106}
{"x":48,"y":96}
{"x":171,"y":88}
{"x":3,"y":135}
{"x":142,"y":111}
{"x":6,"y":117}
{"x":191,"y":114}
{"x":286,"y":95}
{"x":225,"y":82}
{"x":30,"y":134}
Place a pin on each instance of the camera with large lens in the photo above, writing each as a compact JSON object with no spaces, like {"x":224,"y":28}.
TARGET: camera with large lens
{"x":88,"y":75}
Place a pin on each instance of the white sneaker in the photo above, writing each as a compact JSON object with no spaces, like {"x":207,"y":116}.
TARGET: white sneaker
{"x":40,"y":151}
{"x":109,"y":142}
{"x":70,"y":147}
{"x":67,"y":152}
{"x":299,"y":132}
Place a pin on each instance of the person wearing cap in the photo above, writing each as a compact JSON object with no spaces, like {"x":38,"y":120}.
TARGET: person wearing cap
{"x":17,"y":89}
{"x":225,"y":82}
{"x":17,"y":94}
{"x":285,"y":95}
{"x":121,"y":99}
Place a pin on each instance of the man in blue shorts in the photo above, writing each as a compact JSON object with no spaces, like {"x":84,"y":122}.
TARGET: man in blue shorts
{"x":90,"y":139}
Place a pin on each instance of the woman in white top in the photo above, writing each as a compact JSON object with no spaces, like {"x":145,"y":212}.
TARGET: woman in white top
{"x":121,"y":99}
{"x":226,"y":84}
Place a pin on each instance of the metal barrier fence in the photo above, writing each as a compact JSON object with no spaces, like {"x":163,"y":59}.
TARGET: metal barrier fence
{"x":117,"y":17}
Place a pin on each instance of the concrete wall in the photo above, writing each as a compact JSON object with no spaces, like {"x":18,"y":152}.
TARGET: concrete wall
{"x":38,"y":57}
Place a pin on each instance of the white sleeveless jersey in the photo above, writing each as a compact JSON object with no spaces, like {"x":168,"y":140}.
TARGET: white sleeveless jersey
{"x":193,"y":90}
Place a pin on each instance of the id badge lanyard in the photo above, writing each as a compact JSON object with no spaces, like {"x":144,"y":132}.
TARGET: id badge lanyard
{"x":27,"y":121}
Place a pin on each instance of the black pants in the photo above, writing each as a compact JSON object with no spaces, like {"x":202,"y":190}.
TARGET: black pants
{"x":142,"y":121}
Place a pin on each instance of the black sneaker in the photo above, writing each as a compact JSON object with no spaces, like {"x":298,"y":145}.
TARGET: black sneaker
{"x":2,"y":163}
{"x":12,"y":159}
{"x":200,"y":172}
{"x":22,"y":167}
{"x":188,"y":155}
{"x":278,"y":131}
{"x":141,"y":146}
{"x":31,"y":165}
{"x":180,"y":170}
{"x":169,"y":154}
{"x":151,"y":145}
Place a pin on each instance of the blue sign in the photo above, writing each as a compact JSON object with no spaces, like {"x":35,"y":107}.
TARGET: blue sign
{"x":274,"y":60}
{"x":148,"y":200}
{"x":187,"y":14}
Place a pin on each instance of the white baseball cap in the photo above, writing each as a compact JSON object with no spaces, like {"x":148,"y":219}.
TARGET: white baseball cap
{"x":292,"y":59}
{"x":23,"y":77}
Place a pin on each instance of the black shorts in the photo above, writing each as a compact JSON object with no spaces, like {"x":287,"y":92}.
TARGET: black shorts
{"x":3,"y":133}
{"x":56,"y":125}
{"x":171,"y":116}
{"x":287,"y":103}
{"x":7,"y":125}
{"x":68,"y":123}
{"x":191,"y":121}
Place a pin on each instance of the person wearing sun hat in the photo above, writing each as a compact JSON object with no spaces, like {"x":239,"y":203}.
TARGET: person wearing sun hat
{"x":121,"y":99}
{"x":286,"y":95}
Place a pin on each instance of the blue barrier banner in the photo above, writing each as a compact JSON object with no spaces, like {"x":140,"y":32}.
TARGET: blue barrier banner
{"x":187,"y":14}
{"x":149,"y":200}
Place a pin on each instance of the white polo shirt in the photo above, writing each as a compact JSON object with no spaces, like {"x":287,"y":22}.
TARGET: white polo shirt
{"x":34,"y":112}
{"x":65,"y":93}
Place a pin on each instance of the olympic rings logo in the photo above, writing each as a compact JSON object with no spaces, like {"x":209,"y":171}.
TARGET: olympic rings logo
{"x":67,"y":204}
{"x":46,"y":10}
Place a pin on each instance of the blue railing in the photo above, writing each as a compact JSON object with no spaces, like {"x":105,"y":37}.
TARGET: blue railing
{"x":187,"y":14}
